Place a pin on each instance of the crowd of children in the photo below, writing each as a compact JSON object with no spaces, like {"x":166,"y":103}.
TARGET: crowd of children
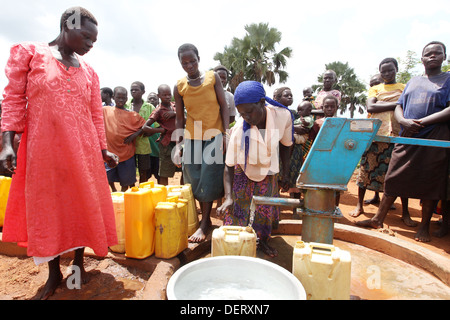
{"x":140,"y":134}
{"x":130,"y":127}
{"x":155,"y":140}
{"x":307,"y":120}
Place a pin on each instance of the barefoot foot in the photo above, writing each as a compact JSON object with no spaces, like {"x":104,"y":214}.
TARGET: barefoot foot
{"x":50,"y":287}
{"x":374,"y":200}
{"x":409,"y":222}
{"x":369,"y":223}
{"x":422,"y":235}
{"x":198,"y":236}
{"x":266,"y":249}
{"x":201,"y":233}
{"x":356,"y":212}
{"x":85,"y":276}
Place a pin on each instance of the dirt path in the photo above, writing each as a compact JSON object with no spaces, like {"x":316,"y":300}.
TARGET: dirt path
{"x":21,"y":279}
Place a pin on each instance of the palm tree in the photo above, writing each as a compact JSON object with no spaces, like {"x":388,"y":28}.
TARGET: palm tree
{"x":235,"y":61}
{"x":254,"y":57}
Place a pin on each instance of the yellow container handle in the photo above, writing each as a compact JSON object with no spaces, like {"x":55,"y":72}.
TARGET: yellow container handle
{"x":236,"y":230}
{"x":315,"y":246}
{"x":322,"y":248}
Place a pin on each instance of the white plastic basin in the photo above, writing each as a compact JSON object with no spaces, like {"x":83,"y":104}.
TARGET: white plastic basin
{"x":234,"y":278}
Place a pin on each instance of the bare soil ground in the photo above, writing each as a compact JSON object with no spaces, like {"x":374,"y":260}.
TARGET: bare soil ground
{"x":21,"y":279}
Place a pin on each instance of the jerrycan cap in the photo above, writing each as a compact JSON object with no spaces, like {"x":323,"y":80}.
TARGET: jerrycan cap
{"x":249,"y":229}
{"x":134,"y":189}
{"x":300,"y":245}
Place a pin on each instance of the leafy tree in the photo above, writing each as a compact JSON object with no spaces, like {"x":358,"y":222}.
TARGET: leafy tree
{"x":446,"y":67}
{"x":234,"y":59}
{"x":353,"y":91}
{"x":255,"y":57}
{"x":407,"y":66}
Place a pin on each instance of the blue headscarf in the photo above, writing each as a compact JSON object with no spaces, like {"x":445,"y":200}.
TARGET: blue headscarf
{"x":253,"y":92}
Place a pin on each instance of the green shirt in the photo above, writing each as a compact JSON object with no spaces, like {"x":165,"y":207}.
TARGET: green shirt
{"x":142,"y":143}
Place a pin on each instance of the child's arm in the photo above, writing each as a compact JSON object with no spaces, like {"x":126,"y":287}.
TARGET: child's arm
{"x":149,"y":130}
{"x":307,"y":123}
{"x":111,"y":159}
{"x":375,"y":106}
{"x":228,"y":178}
{"x":168,"y":115}
{"x":131,"y":138}
{"x":300,"y":129}
{"x":8,"y":157}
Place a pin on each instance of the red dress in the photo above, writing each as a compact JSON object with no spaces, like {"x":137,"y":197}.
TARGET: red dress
{"x":59,"y":197}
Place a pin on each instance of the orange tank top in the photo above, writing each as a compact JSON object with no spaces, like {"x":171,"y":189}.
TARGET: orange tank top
{"x":204,"y":119}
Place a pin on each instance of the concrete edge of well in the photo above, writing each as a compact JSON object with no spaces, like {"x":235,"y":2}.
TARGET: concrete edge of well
{"x":403,"y":250}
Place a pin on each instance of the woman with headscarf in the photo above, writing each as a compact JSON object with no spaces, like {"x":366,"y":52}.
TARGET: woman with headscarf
{"x":59,"y":197}
{"x":259,"y":140}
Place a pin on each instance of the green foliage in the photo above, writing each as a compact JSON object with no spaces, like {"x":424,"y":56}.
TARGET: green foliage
{"x":406,"y":67}
{"x":255,"y":57}
{"x":446,"y":67}
{"x":353,"y":91}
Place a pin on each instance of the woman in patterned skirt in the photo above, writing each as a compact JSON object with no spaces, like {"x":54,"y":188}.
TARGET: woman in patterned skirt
{"x":258,"y":141}
{"x":381,"y":104}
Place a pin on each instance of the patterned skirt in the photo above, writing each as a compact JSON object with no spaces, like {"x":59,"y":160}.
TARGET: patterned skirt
{"x":295,"y":164}
{"x":374,"y":165}
{"x":243,"y":191}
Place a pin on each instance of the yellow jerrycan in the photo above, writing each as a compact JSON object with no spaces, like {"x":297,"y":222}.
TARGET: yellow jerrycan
{"x":185,"y":192}
{"x":171,"y":198}
{"x":324,"y":270}
{"x":233,"y":240}
{"x":158,"y":195}
{"x":183,"y":212}
{"x":119,"y":212}
{"x":147,"y":185}
{"x":159,"y":191}
{"x":139,"y":223}
{"x":5,"y":184}
{"x":171,"y":229}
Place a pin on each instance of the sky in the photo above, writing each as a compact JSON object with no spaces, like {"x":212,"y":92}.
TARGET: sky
{"x":138,"y":39}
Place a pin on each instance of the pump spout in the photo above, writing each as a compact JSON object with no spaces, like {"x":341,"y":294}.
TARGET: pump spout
{"x":271,"y":201}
